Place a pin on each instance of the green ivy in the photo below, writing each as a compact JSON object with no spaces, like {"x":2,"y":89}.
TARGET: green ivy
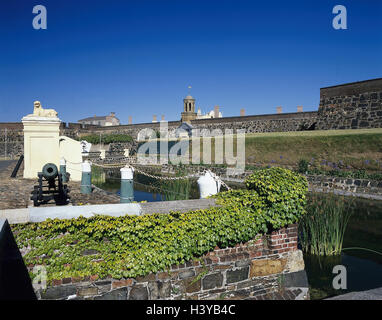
{"x":130,"y":246}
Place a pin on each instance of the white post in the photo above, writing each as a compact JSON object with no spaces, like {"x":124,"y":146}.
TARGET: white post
{"x":127,"y":185}
{"x":86,"y":185}
{"x":208,"y":185}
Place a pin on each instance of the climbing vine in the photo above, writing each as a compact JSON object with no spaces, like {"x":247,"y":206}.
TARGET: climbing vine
{"x":130,"y":246}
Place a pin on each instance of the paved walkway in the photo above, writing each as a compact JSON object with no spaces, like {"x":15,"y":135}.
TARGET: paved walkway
{"x":374,"y":294}
{"x":5,"y":163}
{"x":15,"y":192}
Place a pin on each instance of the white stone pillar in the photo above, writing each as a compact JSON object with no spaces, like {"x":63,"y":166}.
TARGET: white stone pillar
{"x":41,"y":143}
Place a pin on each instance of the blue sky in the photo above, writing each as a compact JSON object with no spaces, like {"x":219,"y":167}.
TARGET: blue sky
{"x":138,"y":57}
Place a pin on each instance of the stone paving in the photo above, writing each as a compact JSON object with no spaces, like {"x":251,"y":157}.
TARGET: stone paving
{"x":374,"y":294}
{"x":15,"y":192}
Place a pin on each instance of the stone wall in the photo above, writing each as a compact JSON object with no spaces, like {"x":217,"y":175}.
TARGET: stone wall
{"x":268,"y":267}
{"x":355,"y":105}
{"x":261,"y":123}
{"x":11,"y":140}
{"x":355,"y":186}
{"x":258,"y":123}
{"x":349,"y":106}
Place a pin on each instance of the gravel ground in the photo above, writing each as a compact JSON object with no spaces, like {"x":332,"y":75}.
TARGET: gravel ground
{"x":15,"y":192}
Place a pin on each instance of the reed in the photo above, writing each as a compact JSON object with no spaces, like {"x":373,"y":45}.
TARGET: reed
{"x":98,"y":176}
{"x":176,"y":189}
{"x":323,"y":227}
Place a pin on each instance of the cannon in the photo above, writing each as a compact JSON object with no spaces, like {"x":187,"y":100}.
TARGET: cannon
{"x":50,"y":187}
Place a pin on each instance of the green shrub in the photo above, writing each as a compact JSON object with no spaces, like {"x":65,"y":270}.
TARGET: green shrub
{"x":129,"y":246}
{"x":282,"y":191}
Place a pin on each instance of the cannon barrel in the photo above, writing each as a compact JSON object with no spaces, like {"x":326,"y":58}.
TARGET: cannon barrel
{"x":50,"y":171}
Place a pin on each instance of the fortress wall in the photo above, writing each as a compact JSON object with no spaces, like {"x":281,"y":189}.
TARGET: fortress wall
{"x":348,"y":106}
{"x":351,"y":106}
{"x":262,"y":123}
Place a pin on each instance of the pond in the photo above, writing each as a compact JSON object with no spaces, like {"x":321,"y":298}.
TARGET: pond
{"x":149,"y":189}
{"x":362,"y":245}
{"x":361,"y":254}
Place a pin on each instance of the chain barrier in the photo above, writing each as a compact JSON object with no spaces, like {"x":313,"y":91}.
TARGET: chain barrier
{"x":120,"y":165}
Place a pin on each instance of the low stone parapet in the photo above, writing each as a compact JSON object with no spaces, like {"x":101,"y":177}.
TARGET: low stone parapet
{"x":358,"y":187}
{"x":268,"y":267}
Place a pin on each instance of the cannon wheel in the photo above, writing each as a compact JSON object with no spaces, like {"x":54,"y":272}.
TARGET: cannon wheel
{"x":34,"y":196}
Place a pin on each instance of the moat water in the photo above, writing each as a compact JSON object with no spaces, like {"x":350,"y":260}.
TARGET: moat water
{"x":362,"y":247}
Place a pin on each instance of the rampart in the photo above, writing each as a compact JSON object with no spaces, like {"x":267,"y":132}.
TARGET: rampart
{"x":354,"y":105}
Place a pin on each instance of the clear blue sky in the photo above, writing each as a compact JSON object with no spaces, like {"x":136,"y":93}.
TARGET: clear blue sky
{"x":138,"y":57}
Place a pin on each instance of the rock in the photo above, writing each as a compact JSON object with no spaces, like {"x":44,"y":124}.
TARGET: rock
{"x":118,"y":294}
{"x":295,"y":261}
{"x":212,"y":281}
{"x":138,"y":293}
{"x":237,"y":275}
{"x":265,"y":267}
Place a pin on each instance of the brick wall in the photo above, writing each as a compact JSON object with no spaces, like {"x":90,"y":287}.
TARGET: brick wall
{"x":264,"y":268}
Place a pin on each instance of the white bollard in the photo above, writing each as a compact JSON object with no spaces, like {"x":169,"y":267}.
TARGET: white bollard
{"x":208,"y":185}
{"x":86,"y":184}
{"x":127,"y":185}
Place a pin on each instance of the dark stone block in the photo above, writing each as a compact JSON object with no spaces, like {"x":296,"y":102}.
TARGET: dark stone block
{"x":242,"y":263}
{"x":58,"y":292}
{"x":212,"y":281}
{"x":118,"y":294}
{"x":102,"y":282}
{"x":364,"y":183}
{"x":186,"y":274}
{"x":159,"y":289}
{"x":87,"y":291}
{"x":374,"y":96}
{"x":237,"y":275}
{"x":138,"y":293}
{"x":297,"y":279}
{"x":349,"y":181}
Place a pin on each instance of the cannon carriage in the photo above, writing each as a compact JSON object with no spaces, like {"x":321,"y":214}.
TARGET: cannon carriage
{"x":50,"y":187}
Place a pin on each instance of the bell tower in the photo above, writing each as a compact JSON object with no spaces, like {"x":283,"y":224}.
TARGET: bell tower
{"x":188,"y":113}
